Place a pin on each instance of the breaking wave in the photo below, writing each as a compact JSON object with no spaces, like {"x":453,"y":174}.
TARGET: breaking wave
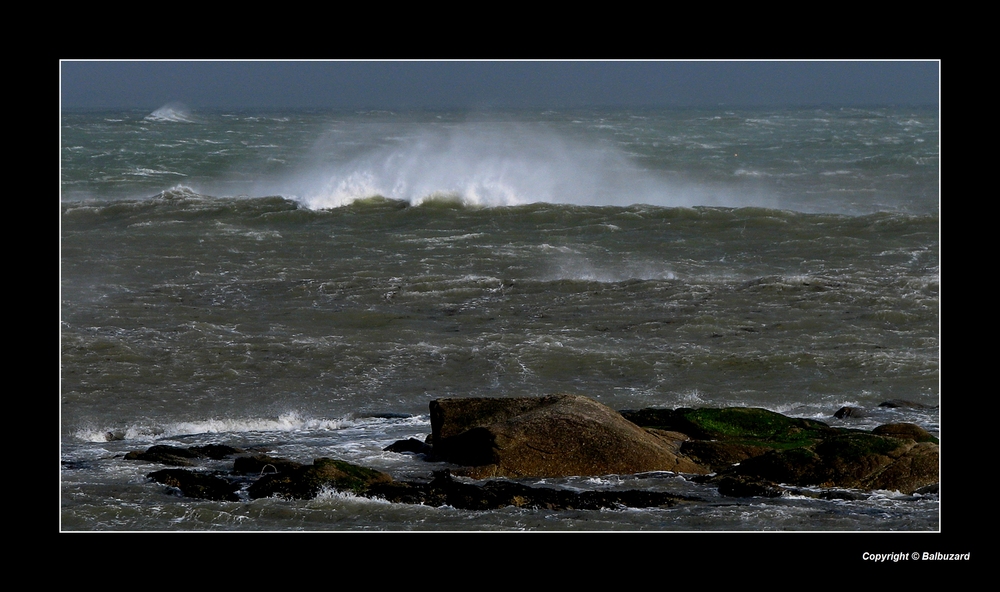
{"x":173,"y":112}
{"x":492,"y":165}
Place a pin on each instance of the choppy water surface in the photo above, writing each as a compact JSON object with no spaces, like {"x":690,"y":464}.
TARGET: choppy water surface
{"x":310,"y":281}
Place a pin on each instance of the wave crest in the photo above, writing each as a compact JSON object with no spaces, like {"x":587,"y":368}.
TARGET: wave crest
{"x":484,"y":165}
{"x":172,"y":112}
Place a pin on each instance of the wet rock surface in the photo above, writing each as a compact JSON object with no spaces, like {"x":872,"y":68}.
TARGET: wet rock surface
{"x":554,"y":436}
{"x":756,"y":452}
{"x":745,"y":452}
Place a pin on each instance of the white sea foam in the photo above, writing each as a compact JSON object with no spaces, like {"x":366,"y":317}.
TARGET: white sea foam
{"x":568,"y":264}
{"x":288,"y":422}
{"x":491,"y":165}
{"x":146,"y":172}
{"x":172,"y":112}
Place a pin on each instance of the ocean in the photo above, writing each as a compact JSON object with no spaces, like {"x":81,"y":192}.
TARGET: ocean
{"x":308,"y":281}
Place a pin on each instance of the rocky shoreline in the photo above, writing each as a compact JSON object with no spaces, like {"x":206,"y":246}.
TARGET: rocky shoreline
{"x":488,"y":443}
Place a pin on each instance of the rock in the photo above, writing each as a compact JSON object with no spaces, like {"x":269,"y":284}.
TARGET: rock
{"x":772,"y":448}
{"x":895,"y":403}
{"x":855,"y":412}
{"x":182,"y":457}
{"x":753,"y":452}
{"x":751,"y":425}
{"x":910,"y":431}
{"x":216,"y":451}
{"x":305,"y":482}
{"x":720,"y":455}
{"x":673,"y":440}
{"x":850,"y":460}
{"x":913,"y":470}
{"x":262,"y":464}
{"x":409,"y":445}
{"x":197,"y":485}
{"x":553,"y":436}
{"x":167,"y":455}
{"x":444,"y":489}
{"x":723,"y":437}
{"x":743,"y":487}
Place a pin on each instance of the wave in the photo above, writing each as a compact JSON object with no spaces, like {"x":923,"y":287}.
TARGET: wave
{"x":287,"y":422}
{"x":172,"y":112}
{"x":493,"y":165}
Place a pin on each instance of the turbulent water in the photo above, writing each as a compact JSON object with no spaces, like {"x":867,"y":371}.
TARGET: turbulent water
{"x":309,"y":281}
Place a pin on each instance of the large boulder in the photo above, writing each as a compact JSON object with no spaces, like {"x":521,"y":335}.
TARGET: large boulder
{"x":852,"y":460}
{"x":553,"y":436}
{"x":754,"y":450}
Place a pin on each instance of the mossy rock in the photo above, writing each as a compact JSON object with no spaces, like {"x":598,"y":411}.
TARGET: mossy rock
{"x":851,"y":460}
{"x":851,"y":448}
{"x":307,"y":481}
{"x":749,"y":426}
{"x":344,"y":476}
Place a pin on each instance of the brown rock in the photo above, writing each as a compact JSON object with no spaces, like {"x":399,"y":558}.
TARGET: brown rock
{"x":854,"y":460}
{"x":907,"y":431}
{"x":553,"y":436}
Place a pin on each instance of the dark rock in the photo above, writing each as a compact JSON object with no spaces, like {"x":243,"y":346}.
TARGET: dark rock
{"x":167,"y":455}
{"x":843,"y":494}
{"x":216,"y":451}
{"x":183,"y":457}
{"x":747,"y":425}
{"x":409,"y":445}
{"x":307,"y":481}
{"x":772,"y":448}
{"x":895,"y":403}
{"x":493,"y":494}
{"x":830,"y":494}
{"x":741,"y":486}
{"x":407,"y":492}
{"x":720,"y":455}
{"x":197,"y":485}
{"x":854,"y":412}
{"x":551,"y":436}
{"x":723,"y":437}
{"x":754,"y":452}
{"x":851,"y":460}
{"x":261,"y":464}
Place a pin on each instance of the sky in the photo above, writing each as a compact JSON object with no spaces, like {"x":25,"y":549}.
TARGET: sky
{"x":404,"y":85}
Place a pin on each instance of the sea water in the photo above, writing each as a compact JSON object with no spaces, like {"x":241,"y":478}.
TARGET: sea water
{"x":307,"y":282}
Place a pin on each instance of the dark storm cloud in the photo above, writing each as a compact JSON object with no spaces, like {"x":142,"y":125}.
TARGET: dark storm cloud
{"x":484,"y":85}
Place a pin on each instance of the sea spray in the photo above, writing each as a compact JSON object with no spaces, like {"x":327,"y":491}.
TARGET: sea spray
{"x":172,"y":112}
{"x":498,"y":164}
